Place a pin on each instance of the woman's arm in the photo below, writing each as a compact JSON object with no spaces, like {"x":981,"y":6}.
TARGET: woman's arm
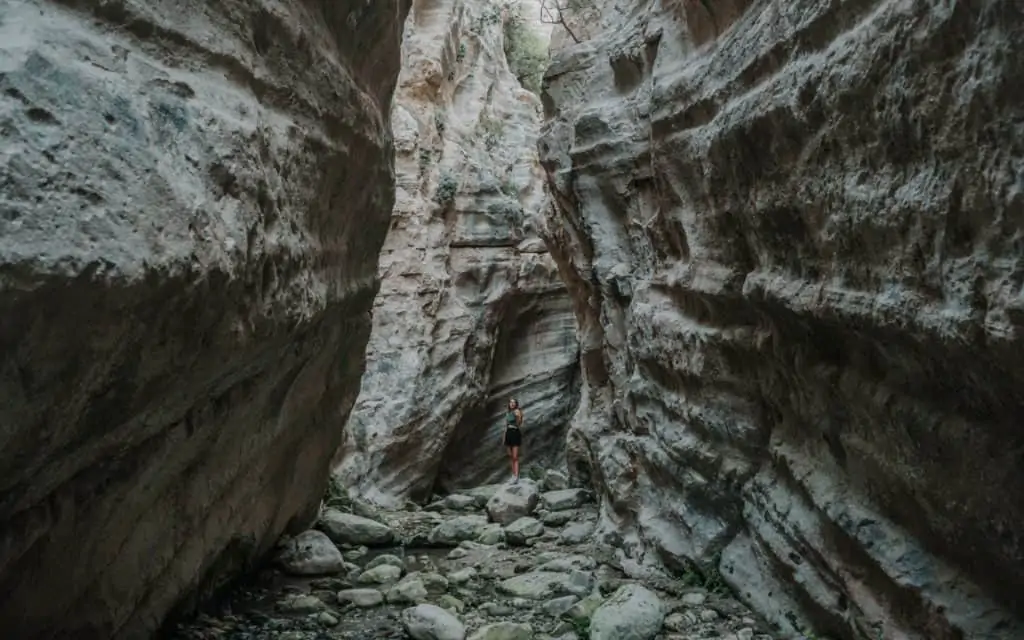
{"x":519,"y":418}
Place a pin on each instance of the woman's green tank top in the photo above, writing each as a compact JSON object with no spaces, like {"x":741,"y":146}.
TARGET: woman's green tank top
{"x":510,"y":419}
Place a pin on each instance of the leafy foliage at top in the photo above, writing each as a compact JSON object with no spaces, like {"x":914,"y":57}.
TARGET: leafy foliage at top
{"x":526,"y":52}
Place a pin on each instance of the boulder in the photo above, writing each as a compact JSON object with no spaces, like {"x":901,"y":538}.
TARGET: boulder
{"x":536,"y":585}
{"x":564,"y":499}
{"x":513,"y":501}
{"x":555,"y":480}
{"x":409,"y":590}
{"x":458,"y":529}
{"x":522,"y":530}
{"x":460,"y":502}
{"x":381,"y":574}
{"x":634,"y":612}
{"x":361,"y":597}
{"x":576,"y":532}
{"x":310,"y":553}
{"x":348,"y":528}
{"x":430,"y":622}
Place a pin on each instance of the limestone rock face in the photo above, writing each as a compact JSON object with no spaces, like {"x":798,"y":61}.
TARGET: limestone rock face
{"x":193,"y":196}
{"x":793,"y":237}
{"x":471,"y":309}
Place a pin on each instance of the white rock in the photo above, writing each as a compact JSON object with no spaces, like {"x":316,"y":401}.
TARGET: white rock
{"x":361,"y":597}
{"x":407,"y":591}
{"x":555,"y":480}
{"x":310,"y":553}
{"x":576,"y":533}
{"x":504,"y":631}
{"x":381,"y":574}
{"x":631,"y":613}
{"x":512,"y":502}
{"x":522,"y":530}
{"x":430,"y":622}
{"x":564,"y":499}
{"x":348,"y":528}
{"x":536,"y":585}
{"x":456,"y":530}
{"x":460,"y":502}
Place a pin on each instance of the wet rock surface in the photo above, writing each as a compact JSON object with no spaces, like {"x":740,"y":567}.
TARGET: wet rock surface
{"x":543,"y":588}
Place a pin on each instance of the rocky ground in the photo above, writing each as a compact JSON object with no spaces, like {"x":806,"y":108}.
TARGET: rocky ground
{"x":501,"y":562}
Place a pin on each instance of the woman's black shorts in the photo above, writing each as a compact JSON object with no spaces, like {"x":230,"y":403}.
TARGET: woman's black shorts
{"x":513,"y":437}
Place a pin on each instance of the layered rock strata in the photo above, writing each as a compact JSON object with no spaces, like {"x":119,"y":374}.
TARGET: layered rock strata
{"x":193,"y":196}
{"x":471,"y":309}
{"x":793,"y":237}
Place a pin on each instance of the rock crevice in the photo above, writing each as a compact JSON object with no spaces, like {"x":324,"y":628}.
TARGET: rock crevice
{"x":471,"y":309}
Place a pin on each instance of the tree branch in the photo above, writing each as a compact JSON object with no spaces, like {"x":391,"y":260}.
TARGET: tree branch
{"x":557,"y":17}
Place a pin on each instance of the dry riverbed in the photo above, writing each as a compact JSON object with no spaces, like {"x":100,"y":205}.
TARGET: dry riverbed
{"x":509,"y":562}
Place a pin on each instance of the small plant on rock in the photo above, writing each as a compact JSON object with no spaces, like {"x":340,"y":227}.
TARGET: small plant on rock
{"x":461,"y":54}
{"x":509,"y":188}
{"x":525,"y":51}
{"x":492,"y":131}
{"x":425,"y":159}
{"x":439,"y":122}
{"x":507,"y":209}
{"x":581,"y":626}
{"x":336,"y":496}
{"x":489,"y":17}
{"x":447,"y":187}
{"x":709,"y":579}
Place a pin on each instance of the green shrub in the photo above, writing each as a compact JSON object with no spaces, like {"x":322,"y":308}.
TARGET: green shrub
{"x":461,"y":55}
{"x":526,"y":53}
{"x":491,"y":130}
{"x":426,"y":156}
{"x":709,"y":579}
{"x":507,"y":209}
{"x":491,"y":16}
{"x":447,"y":187}
{"x":581,"y":626}
{"x":509,"y":188}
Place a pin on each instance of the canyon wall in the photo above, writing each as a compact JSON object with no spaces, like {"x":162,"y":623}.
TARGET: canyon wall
{"x":793,"y":237}
{"x":193,"y":196}
{"x":471,"y":309}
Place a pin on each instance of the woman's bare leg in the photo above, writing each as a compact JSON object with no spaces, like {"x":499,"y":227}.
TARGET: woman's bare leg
{"x":515,"y":461}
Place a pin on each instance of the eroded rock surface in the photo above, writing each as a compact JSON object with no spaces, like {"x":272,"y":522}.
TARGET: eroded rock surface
{"x":193,"y":196}
{"x":793,"y":237}
{"x":471,"y":308}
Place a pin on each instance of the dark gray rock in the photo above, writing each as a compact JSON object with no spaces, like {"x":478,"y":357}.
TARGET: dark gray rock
{"x":188,"y":253}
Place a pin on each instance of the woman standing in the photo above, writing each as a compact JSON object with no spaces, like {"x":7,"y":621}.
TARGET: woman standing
{"x":513,"y":435}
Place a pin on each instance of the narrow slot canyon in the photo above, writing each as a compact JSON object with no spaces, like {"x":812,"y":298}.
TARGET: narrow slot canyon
{"x":272,"y":271}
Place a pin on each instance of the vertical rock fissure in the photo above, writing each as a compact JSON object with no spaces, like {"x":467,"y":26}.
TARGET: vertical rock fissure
{"x":471,"y":309}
